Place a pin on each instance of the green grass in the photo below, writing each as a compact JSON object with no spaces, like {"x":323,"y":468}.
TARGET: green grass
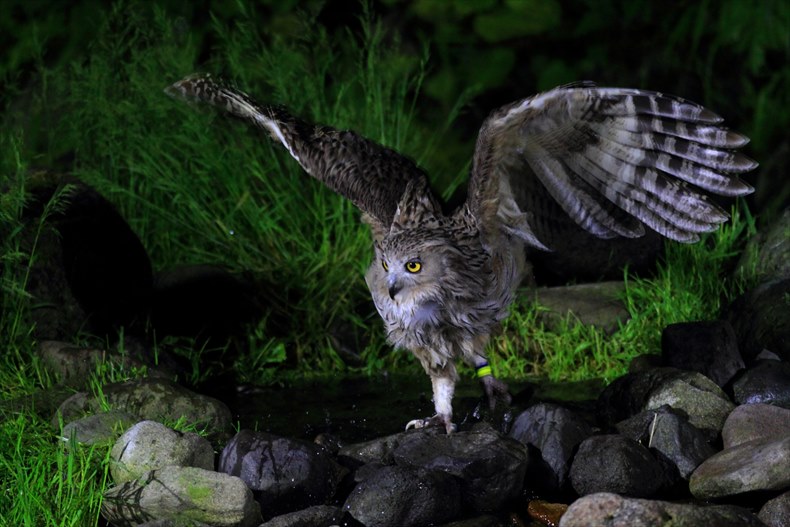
{"x":198,"y":188}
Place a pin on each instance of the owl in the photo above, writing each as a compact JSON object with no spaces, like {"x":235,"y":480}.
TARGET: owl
{"x":614,"y":161}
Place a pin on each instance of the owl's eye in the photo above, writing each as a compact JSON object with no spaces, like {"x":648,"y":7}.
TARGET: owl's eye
{"x":385,"y":266}
{"x":413,"y":266}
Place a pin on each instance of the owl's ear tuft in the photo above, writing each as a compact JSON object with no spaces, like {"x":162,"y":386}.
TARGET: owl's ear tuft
{"x":417,"y":208}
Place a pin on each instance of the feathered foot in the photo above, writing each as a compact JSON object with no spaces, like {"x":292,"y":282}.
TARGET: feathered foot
{"x":495,"y":390}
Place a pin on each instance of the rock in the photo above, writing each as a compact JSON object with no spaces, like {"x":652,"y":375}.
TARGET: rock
{"x":776,"y":512}
{"x":399,"y":496}
{"x":761,"y":319}
{"x":485,"y":520}
{"x":597,"y":304}
{"x":556,"y":432}
{"x":767,"y":382}
{"x":545,"y":512}
{"x":670,"y":434}
{"x":755,"y":421}
{"x":706,"y":405}
{"x":149,"y":445}
{"x":769,"y":250}
{"x":489,"y":466}
{"x":761,"y":464}
{"x":316,"y":516}
{"x":105,"y":265}
{"x":186,"y":495}
{"x":709,"y":348}
{"x":377,"y":450}
{"x":613,"y":463}
{"x":98,"y":428}
{"x":285,"y":475}
{"x":611,"y":510}
{"x":155,"y":400}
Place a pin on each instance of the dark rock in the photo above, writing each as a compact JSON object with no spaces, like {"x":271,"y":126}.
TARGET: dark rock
{"x":377,"y":450}
{"x":285,"y":475}
{"x":546,"y":513}
{"x":616,"y":511}
{"x":776,"y":512}
{"x":485,"y":520}
{"x":613,"y":463}
{"x":187,"y":495}
{"x":597,"y":304}
{"x":709,"y":348}
{"x":761,"y":464}
{"x":768,"y":382}
{"x":98,"y":428}
{"x":705,"y":404}
{"x":755,"y":421}
{"x":556,"y":432}
{"x":204,"y":302}
{"x":155,"y":400}
{"x":670,"y":434}
{"x":399,"y":496}
{"x":489,"y":466}
{"x":105,"y":265}
{"x":149,"y":445}
{"x":761,"y":319}
{"x":769,"y":250}
{"x":315,"y":516}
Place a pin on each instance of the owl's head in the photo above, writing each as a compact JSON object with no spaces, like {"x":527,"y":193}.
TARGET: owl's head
{"x":414,"y":264}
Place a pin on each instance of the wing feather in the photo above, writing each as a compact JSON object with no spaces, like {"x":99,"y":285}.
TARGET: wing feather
{"x":372,"y":176}
{"x":613,"y":159}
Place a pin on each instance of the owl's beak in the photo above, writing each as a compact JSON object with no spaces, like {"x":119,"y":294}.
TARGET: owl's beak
{"x":394,"y":288}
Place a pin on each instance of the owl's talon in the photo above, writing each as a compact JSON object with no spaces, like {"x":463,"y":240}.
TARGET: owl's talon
{"x":436,"y":420}
{"x":495,"y":390}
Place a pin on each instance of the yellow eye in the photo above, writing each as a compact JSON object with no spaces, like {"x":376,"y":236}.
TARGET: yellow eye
{"x":413,"y":266}
{"x":385,"y":266}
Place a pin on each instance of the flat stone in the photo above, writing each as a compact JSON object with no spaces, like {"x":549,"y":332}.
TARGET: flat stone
{"x":611,"y":510}
{"x":597,"y":304}
{"x":755,"y":421}
{"x":149,"y":445}
{"x":98,"y":428}
{"x":186,"y":495}
{"x":762,"y":464}
{"x":315,"y":516}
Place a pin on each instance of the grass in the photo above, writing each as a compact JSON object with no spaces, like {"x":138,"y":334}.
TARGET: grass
{"x":197,"y":188}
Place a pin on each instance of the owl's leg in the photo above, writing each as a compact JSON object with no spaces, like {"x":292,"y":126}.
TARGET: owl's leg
{"x":494,"y":388}
{"x":443,"y":382}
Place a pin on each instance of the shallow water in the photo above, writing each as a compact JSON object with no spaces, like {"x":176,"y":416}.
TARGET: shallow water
{"x":359,"y":409}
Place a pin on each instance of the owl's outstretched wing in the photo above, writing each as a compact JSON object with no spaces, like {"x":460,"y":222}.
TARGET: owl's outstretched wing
{"x":373,"y":177}
{"x":613,"y":160}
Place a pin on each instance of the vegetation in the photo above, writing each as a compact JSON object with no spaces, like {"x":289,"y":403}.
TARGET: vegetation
{"x":197,"y":188}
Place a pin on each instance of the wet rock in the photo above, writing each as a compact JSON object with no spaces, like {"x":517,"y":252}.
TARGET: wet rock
{"x":485,"y":520}
{"x":709,"y":348}
{"x":598,"y":304}
{"x":706,"y":405}
{"x":149,"y":445}
{"x":98,"y":428}
{"x":761,"y":464}
{"x":316,"y":516}
{"x":546,"y":513}
{"x":776,"y":512}
{"x":755,"y":421}
{"x":617,"y":511}
{"x":399,"y":496}
{"x":761,"y":319}
{"x":670,"y":434}
{"x":556,"y":432}
{"x":155,"y":400}
{"x":377,"y":450}
{"x":489,"y":466}
{"x":767,"y":382}
{"x":286,"y":475}
{"x":186,"y":495}
{"x":613,"y":463}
